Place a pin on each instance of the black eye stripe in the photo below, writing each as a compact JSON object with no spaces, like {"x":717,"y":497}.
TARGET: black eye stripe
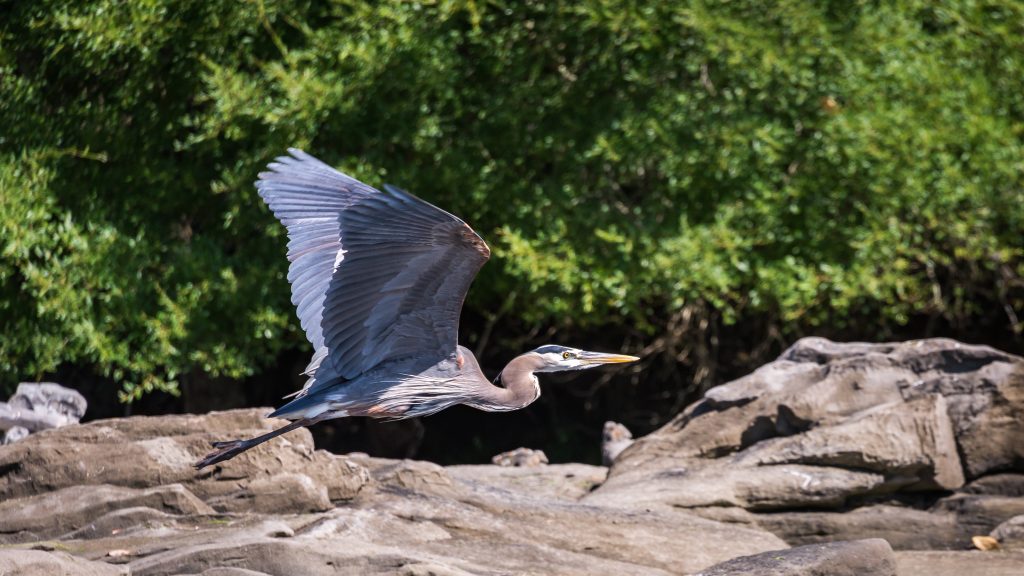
{"x":549,"y":349}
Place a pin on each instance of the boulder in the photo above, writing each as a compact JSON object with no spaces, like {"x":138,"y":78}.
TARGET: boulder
{"x":1010,"y":534}
{"x":849,"y":558}
{"x":39,"y":406}
{"x":895,"y":427}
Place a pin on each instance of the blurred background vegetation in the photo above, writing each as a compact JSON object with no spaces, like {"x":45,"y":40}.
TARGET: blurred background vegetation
{"x":701,"y":182}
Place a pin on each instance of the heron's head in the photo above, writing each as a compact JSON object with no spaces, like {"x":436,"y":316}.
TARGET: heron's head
{"x":555,"y":358}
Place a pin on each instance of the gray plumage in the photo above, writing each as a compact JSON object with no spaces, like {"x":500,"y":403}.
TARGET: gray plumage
{"x":378,"y":281}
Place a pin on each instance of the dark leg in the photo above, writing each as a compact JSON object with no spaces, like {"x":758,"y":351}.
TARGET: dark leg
{"x":230,"y":449}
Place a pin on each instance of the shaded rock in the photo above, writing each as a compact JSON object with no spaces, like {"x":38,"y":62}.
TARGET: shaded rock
{"x":521,"y":457}
{"x":54,"y":513}
{"x":966,"y":563}
{"x":910,"y":442}
{"x":853,"y":558}
{"x":1010,"y":533}
{"x":50,"y":563}
{"x":980,"y":514}
{"x":904,"y":528}
{"x":997,"y":485}
{"x":614,"y":439}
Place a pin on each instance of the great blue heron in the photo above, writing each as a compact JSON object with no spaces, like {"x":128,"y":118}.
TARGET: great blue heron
{"x":378,"y":279}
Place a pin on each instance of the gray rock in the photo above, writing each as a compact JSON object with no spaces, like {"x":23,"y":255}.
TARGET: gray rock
{"x":910,"y":442}
{"x":22,"y":562}
{"x":997,"y":485}
{"x":40,"y":406}
{"x":614,"y":439}
{"x":904,"y":528}
{"x":1010,"y":533}
{"x":14,"y":434}
{"x":977,"y":513}
{"x":851,"y":558}
{"x":521,"y":457}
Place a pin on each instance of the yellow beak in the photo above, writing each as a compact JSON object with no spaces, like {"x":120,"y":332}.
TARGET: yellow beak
{"x":597,"y":358}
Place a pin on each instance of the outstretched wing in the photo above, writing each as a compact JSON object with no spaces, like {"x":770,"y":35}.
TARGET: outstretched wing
{"x":375,"y":276}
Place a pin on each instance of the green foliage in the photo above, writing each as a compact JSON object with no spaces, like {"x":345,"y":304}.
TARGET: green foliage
{"x":851,"y":164}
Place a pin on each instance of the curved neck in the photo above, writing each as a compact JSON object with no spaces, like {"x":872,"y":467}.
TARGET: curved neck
{"x":520,"y":386}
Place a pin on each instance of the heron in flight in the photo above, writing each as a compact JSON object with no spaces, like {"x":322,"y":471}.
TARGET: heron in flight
{"x":378,"y":280}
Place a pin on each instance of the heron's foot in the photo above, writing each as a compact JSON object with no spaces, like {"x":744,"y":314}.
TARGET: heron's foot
{"x":224,"y":451}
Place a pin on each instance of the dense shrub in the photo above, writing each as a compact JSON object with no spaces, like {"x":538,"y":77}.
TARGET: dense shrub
{"x":803,"y":166}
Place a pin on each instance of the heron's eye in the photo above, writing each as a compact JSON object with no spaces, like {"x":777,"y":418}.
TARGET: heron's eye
{"x":567,"y":355}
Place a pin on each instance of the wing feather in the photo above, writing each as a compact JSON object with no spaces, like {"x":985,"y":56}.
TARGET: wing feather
{"x":375,"y":276}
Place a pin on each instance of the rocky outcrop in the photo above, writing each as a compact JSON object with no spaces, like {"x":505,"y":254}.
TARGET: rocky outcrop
{"x":828,"y":449}
{"x":921,"y":443}
{"x":124,"y":492}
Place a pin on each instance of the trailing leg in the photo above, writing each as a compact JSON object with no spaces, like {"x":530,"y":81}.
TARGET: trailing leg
{"x":231,"y":448}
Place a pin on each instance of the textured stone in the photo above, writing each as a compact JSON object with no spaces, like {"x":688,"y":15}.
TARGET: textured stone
{"x":51,"y":514}
{"x":849,"y":558}
{"x":559,"y":481}
{"x":160,"y":450}
{"x":1010,"y":533}
{"x":911,"y":442}
{"x":23,"y":562}
{"x":521,"y":457}
{"x":965,"y":563}
{"x":873,"y":419}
